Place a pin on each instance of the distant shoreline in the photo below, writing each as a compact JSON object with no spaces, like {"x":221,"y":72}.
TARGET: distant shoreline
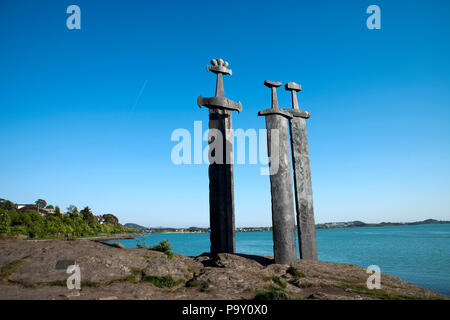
{"x":344,"y":225}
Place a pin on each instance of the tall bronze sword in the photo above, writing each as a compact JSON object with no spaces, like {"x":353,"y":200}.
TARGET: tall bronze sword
{"x":221,"y":181}
{"x":302,"y":177}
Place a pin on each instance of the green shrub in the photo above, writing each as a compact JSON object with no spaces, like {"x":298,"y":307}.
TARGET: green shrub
{"x":141,"y":243}
{"x":165,"y":247}
{"x":5,"y":222}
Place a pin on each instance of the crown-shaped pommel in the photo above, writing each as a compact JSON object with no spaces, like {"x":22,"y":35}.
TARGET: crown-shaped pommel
{"x":219,"y":66}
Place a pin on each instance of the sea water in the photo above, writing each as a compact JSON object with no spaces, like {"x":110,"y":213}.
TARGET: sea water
{"x":417,"y":253}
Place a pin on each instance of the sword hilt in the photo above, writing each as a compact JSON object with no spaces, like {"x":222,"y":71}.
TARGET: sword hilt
{"x":275,"y":108}
{"x":219,"y":67}
{"x":295,"y":111}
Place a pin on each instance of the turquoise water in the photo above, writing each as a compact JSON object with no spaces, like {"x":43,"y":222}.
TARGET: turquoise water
{"x":419,"y":254}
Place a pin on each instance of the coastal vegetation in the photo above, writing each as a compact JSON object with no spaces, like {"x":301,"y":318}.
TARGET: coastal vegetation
{"x":53,"y":223}
{"x":164,"y":247}
{"x":12,"y":267}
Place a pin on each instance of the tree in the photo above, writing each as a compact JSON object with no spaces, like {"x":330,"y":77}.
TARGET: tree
{"x":88,"y":216}
{"x":41,"y":203}
{"x":6,"y":204}
{"x":110,"y":218}
{"x":72,"y":210}
{"x":86,"y":212}
{"x":58,"y":211}
{"x":49,"y":207}
{"x":5,"y":221}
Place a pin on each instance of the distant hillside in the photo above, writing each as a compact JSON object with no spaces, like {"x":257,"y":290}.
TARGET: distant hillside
{"x":328,"y":225}
{"x":136,"y":227}
{"x":352,"y":224}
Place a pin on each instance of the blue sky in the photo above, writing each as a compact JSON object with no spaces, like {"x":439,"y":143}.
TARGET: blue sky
{"x":87,"y":115}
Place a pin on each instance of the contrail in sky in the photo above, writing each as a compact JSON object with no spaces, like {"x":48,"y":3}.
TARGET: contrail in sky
{"x":138,"y":97}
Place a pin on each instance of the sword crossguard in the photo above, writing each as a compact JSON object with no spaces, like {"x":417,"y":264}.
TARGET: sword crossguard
{"x":295,"y":111}
{"x":219,"y":103}
{"x":275,"y":108}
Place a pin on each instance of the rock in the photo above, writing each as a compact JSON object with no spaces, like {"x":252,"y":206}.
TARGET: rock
{"x":108,"y":298}
{"x":147,"y":274}
{"x":117,"y":245}
{"x":73,"y":294}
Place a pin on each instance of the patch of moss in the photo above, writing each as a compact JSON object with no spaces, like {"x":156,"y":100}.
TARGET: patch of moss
{"x":58,"y":283}
{"x":90,"y":284}
{"x":303,"y":284}
{"x":203,"y":285}
{"x":280,"y":282}
{"x":271,"y":293}
{"x":295,"y":273}
{"x":8,"y":270}
{"x":191,"y":269}
{"x":162,"y":282}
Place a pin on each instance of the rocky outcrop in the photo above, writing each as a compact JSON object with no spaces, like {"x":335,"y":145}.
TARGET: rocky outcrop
{"x":29,"y":271}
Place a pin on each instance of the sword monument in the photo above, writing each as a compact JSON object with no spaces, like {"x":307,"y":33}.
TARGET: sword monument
{"x":302,"y":177}
{"x":283,"y":220}
{"x":221,"y":182}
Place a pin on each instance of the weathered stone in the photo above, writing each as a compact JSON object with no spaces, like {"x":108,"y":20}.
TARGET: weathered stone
{"x":280,"y":182}
{"x":224,"y":276}
{"x":302,"y":178}
{"x":221,"y":182}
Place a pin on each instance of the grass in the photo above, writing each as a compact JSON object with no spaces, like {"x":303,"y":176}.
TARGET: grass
{"x":191,"y":269}
{"x":295,"y":273}
{"x":90,"y":284}
{"x":138,"y":276}
{"x":8,"y":270}
{"x":271,"y":293}
{"x":203,"y":285}
{"x":63,"y":283}
{"x":280,"y":282}
{"x":162,"y":282}
{"x":58,"y":283}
